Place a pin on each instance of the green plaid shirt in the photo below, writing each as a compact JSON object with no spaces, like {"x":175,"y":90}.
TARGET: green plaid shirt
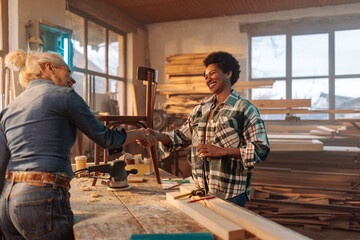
{"x":236,"y":123}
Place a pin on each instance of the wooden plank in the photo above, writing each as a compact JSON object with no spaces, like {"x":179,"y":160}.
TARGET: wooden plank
{"x":255,"y":224}
{"x":187,"y":56}
{"x":287,"y":103}
{"x":305,"y":111}
{"x":296,"y":145}
{"x":216,"y":223}
{"x":342,"y":149}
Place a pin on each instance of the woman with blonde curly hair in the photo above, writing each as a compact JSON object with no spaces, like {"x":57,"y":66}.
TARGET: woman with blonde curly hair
{"x":37,"y":131}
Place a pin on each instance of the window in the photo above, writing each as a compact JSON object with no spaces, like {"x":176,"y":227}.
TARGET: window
{"x":99,"y":62}
{"x":311,"y":61}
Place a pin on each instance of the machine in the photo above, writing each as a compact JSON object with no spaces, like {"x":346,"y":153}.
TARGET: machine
{"x":117,"y":179}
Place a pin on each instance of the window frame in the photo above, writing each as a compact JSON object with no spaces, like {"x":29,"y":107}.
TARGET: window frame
{"x":90,"y":75}
{"x":304,"y":26}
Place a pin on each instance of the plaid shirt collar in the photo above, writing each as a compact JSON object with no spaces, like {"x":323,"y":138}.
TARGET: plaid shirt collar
{"x":230,"y":100}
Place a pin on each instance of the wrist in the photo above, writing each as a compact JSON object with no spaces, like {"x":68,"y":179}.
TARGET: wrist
{"x":225,"y":152}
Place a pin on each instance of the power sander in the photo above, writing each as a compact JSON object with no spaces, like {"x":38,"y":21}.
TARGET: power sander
{"x":117,"y":179}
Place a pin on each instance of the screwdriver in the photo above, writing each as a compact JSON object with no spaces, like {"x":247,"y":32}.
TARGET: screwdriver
{"x":197,"y":192}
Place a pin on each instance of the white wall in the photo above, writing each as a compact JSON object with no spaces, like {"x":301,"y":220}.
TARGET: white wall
{"x":136,"y":56}
{"x":222,"y":33}
{"x":21,"y":11}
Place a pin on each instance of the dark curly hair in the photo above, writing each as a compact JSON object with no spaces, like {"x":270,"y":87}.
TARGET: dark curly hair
{"x":226,"y":62}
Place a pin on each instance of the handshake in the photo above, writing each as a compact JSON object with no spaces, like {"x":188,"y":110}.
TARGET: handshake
{"x":148,"y":137}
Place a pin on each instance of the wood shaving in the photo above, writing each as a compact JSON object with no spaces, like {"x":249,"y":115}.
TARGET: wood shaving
{"x":94,"y":194}
{"x":94,"y":199}
{"x":85,"y":188}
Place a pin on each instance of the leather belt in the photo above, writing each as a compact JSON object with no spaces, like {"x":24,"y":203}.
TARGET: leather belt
{"x":38,"y":178}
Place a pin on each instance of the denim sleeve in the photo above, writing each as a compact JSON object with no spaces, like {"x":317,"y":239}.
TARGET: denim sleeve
{"x":80,"y":115}
{"x":4,"y":157}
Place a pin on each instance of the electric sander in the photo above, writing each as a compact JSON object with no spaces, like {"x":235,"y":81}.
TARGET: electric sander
{"x":117,"y":180}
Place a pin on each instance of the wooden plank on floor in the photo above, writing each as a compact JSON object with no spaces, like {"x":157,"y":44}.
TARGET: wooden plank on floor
{"x":213,"y":221}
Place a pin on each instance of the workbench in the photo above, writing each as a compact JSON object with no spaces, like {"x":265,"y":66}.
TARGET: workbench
{"x":117,"y":215}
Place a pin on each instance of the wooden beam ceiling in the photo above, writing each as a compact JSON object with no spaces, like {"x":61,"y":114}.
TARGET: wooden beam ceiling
{"x":155,"y":11}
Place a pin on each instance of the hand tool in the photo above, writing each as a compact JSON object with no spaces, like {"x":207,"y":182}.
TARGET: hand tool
{"x":200,"y":199}
{"x":117,"y":174}
{"x":173,"y":186}
{"x":197,"y":192}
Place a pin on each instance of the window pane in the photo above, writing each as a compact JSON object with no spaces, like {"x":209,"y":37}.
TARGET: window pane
{"x":99,"y":84}
{"x":117,"y":93}
{"x":278,"y":91}
{"x":75,"y":23}
{"x":268,"y":56}
{"x":96,"y":47}
{"x":101,"y":99}
{"x":116,"y":54}
{"x":78,"y":86}
{"x":310,"y":55}
{"x":347,"y":94}
{"x":315,"y":89}
{"x":347,"y":52}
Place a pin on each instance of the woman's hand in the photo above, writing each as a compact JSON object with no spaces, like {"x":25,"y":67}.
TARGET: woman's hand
{"x":209,"y":150}
{"x":147,"y":139}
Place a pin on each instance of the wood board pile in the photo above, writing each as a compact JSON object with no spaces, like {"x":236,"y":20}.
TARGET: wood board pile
{"x":311,"y":189}
{"x":314,"y":208}
{"x":187,"y":87}
{"x":339,"y":127}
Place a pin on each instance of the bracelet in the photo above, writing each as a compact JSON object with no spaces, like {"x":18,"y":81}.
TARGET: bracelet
{"x":239,"y":152}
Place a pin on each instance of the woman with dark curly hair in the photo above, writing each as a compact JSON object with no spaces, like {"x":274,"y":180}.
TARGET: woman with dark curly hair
{"x":226,"y":133}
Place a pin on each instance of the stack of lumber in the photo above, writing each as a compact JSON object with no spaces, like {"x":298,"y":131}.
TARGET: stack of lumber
{"x":187,"y":86}
{"x":228,"y":221}
{"x":314,"y":189}
{"x":310,"y":207}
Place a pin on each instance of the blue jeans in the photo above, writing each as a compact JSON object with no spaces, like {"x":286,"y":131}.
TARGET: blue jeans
{"x":33,"y":212}
{"x":239,"y":199}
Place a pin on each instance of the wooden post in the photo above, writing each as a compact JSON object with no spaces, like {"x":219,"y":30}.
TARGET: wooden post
{"x":149,"y":123}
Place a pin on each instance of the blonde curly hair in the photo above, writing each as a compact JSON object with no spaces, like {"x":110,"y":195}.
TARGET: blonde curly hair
{"x":31,"y":64}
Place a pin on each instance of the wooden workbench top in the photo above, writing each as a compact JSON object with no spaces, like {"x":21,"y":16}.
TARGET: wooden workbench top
{"x":117,"y":215}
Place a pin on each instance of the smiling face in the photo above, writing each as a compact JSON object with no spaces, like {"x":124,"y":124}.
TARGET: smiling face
{"x":60,"y":75}
{"x":217,"y":81}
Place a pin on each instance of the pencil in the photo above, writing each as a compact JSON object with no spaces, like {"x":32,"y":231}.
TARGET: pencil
{"x":205,"y":198}
{"x":174,"y":186}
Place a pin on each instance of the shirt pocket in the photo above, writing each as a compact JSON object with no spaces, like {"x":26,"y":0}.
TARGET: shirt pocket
{"x":197,"y":134}
{"x":227,"y":133}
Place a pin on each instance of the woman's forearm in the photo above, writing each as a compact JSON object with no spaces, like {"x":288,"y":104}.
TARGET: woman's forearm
{"x":163,"y":138}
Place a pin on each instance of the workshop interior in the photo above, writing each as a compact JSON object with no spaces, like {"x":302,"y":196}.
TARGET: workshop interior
{"x":140,"y":64}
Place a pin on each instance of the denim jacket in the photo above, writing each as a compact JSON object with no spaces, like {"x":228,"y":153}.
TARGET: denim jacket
{"x":38,"y":129}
